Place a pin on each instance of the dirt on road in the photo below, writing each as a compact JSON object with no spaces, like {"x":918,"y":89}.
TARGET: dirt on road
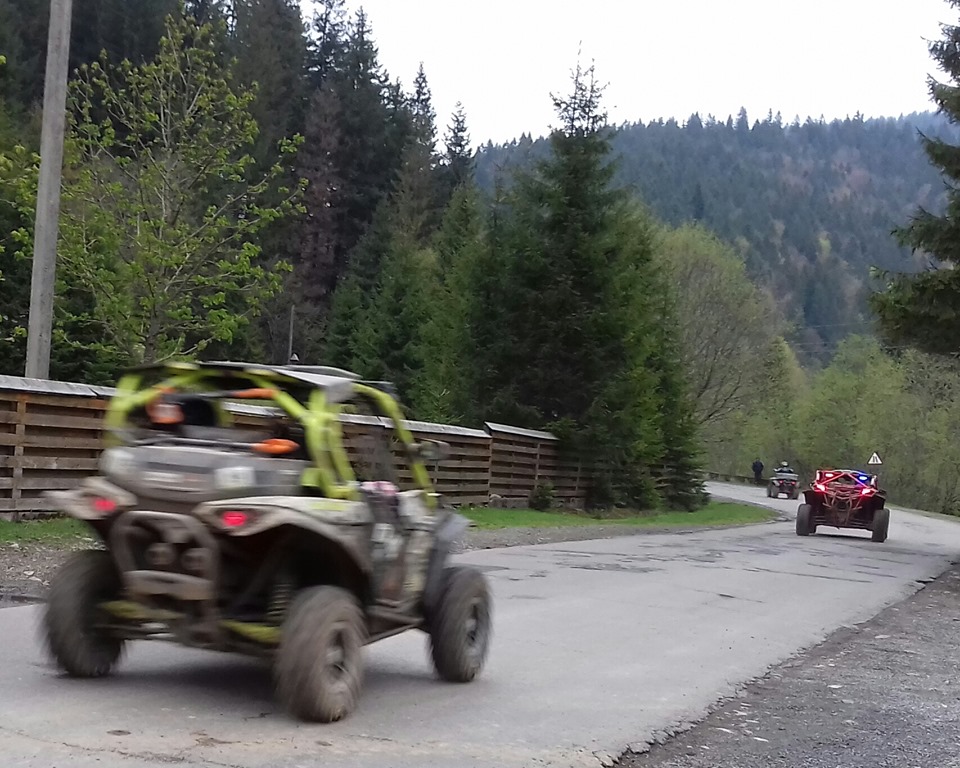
{"x":884,"y":694}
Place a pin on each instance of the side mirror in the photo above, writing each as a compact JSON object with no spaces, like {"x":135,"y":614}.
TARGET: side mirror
{"x":433,"y":451}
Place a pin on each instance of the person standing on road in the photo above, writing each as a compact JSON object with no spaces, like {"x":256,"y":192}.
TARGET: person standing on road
{"x":758,"y":471}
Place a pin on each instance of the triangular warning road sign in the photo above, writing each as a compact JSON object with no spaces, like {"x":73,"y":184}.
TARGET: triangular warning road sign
{"x":874,"y":459}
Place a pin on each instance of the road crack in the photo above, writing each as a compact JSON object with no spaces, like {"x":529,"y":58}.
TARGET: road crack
{"x":157,"y":757}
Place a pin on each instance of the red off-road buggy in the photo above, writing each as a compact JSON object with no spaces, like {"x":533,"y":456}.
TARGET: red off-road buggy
{"x":844,"y":498}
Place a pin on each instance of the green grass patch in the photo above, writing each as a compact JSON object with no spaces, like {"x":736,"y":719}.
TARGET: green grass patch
{"x":59,"y":529}
{"x":63,"y":530}
{"x":715,"y":513}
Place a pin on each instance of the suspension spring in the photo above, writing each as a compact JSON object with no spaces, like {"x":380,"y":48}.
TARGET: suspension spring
{"x":279,"y":601}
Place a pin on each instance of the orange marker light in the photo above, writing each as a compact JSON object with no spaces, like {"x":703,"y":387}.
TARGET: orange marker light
{"x":275,"y":446}
{"x":254,"y":394}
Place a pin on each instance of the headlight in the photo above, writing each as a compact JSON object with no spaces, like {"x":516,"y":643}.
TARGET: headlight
{"x":117,"y":462}
{"x":233,"y":478}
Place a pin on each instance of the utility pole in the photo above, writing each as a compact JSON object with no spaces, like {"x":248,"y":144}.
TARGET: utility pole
{"x":46,"y":224}
{"x":293,"y":310}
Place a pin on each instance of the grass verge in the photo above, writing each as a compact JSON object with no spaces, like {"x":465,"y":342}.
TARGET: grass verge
{"x":57,"y":530}
{"x":714,"y":514}
{"x":62,"y":530}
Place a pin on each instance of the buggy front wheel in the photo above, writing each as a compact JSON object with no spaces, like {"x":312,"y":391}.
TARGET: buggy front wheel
{"x":319,"y":665}
{"x":804,"y":515}
{"x":460,"y":626}
{"x":73,"y":623}
{"x":881,"y":524}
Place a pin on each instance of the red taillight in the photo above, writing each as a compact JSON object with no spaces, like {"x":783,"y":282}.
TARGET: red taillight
{"x":234,"y":519}
{"x":820,"y":486}
{"x":866,"y":492}
{"x":105,"y":506}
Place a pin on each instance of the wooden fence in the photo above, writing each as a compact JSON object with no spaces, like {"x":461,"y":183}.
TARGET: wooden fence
{"x":51,"y":436}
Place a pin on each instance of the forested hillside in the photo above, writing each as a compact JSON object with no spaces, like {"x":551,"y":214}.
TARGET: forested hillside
{"x":240,"y":184}
{"x":297,"y":196}
{"x":809,"y":205}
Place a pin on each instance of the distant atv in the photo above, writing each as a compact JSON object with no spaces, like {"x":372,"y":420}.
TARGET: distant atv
{"x":786,"y":483}
{"x":269,"y":539}
{"x":844,"y":498}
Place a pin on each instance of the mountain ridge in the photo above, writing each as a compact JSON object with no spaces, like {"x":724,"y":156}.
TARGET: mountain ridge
{"x":811,"y":206}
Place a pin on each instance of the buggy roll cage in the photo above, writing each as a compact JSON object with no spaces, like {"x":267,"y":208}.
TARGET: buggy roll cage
{"x":862,"y":484}
{"x":311,"y":395}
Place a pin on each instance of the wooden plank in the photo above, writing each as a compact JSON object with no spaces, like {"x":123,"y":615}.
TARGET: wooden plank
{"x":520,"y":459}
{"x":504,"y":482}
{"x":26,"y":504}
{"x":71,"y":402}
{"x":501,"y":449}
{"x":527,"y":470}
{"x":456,"y":482}
{"x":456,"y":477}
{"x":523,"y":456}
{"x":460,"y":463}
{"x":50,"y":441}
{"x":513,"y":469}
{"x":55,"y":463}
{"x":92,"y":423}
{"x":60,"y":483}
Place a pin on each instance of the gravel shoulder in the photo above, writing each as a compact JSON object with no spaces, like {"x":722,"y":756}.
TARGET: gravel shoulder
{"x":882,"y":694}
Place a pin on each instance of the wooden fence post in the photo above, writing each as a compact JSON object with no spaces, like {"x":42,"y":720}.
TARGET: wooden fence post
{"x":20,"y":433}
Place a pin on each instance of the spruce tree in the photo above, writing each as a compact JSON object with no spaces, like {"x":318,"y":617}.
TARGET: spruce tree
{"x":921,"y":309}
{"x":271,"y":51}
{"x":316,"y":164}
{"x":416,"y":213}
{"x":351,"y":152}
{"x":572,"y":339}
{"x":457,"y":163}
{"x":328,"y":42}
{"x":442,"y":390}
{"x":388,"y":342}
{"x":351,"y":301}
{"x":567,"y":265}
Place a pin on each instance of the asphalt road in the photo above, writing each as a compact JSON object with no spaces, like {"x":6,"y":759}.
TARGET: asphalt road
{"x":880,"y":695}
{"x":598,"y":645}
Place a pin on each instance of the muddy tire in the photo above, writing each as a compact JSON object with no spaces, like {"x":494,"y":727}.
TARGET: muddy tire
{"x":319,"y":665}
{"x":804,"y":513}
{"x":72,"y":619}
{"x":881,"y":524}
{"x":461,"y":625}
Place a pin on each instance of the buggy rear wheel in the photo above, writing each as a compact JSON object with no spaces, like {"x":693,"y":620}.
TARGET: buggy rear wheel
{"x":72,"y":620}
{"x":804,"y":518}
{"x":460,"y":627}
{"x":881,"y":524}
{"x":319,"y":665}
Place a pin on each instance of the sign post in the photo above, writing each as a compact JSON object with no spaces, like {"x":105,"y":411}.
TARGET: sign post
{"x":876,"y":461}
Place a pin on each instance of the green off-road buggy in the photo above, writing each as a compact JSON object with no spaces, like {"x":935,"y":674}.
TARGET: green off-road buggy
{"x":265,"y":537}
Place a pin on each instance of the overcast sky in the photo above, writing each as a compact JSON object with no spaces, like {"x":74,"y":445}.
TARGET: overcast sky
{"x":661,"y":58}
